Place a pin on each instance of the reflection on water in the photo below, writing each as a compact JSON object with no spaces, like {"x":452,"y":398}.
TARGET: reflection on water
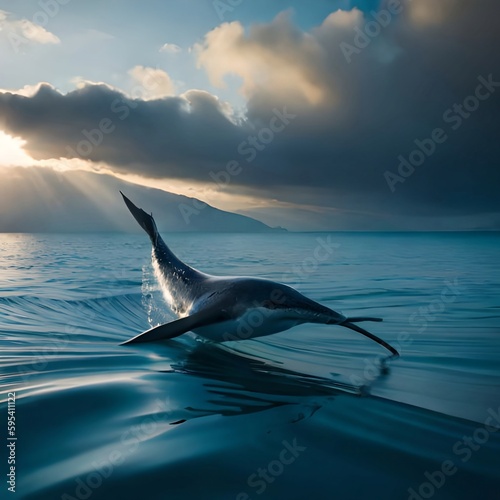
{"x":191,"y":419}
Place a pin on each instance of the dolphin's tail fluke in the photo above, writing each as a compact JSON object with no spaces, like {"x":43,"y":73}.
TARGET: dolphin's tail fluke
{"x":360,"y":319}
{"x":348,"y":324}
{"x":170,"y":265}
{"x":144,"y":219}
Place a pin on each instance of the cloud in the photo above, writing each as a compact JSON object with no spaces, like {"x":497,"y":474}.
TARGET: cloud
{"x":152,"y":83}
{"x":429,"y":12}
{"x":170,"y":48}
{"x":352,"y":119}
{"x":22,"y":31}
{"x":26,"y":91}
{"x":174,"y":133}
{"x":276,"y":56}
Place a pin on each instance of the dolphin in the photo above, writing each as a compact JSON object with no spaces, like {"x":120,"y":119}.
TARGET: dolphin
{"x":221,"y":308}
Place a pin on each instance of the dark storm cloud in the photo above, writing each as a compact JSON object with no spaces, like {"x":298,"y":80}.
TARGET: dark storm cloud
{"x":343,"y":106}
{"x":102,"y":124}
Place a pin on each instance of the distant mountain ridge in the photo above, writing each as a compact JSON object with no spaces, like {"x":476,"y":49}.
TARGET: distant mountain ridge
{"x":39,"y":199}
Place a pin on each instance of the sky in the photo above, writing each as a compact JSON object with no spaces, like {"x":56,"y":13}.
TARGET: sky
{"x":318,"y":115}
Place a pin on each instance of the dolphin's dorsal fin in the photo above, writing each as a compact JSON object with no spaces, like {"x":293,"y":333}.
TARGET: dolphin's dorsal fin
{"x":180,"y":326}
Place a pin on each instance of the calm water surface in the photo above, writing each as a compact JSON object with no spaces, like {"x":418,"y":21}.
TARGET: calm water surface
{"x":316,"y":412}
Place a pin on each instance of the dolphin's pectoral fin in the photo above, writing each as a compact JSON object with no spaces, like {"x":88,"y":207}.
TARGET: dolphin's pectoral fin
{"x":166,"y":331}
{"x":179,"y":326}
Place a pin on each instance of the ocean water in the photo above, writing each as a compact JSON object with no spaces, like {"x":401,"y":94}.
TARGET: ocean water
{"x":316,"y":412}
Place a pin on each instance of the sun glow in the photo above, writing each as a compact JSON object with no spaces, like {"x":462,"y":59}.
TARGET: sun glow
{"x":12,"y":153}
